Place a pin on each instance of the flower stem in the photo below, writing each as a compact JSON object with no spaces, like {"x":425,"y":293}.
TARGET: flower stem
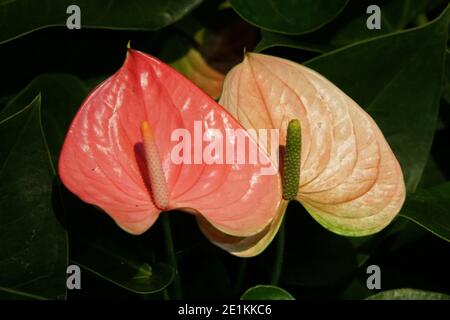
{"x":166,"y":295}
{"x":279,"y":254}
{"x":178,"y":294}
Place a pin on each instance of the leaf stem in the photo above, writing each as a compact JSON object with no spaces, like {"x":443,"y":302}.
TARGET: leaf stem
{"x":170,"y":251}
{"x":279,"y":255}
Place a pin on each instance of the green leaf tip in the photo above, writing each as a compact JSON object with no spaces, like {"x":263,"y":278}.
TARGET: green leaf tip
{"x":291,"y":163}
{"x":129,"y":44}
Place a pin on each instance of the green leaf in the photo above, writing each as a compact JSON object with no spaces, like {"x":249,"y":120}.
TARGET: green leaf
{"x":430,"y":208}
{"x":33,"y":258}
{"x":263,"y":292}
{"x":402,"y":234}
{"x":61,"y":95}
{"x":433,"y":175}
{"x":102,"y":248}
{"x":4,"y":101}
{"x":25,"y":16}
{"x":272,"y":39}
{"x":289,"y":17}
{"x":351,"y":26}
{"x":446,"y":90}
{"x":398,"y":79}
{"x":11,"y":294}
{"x":408,"y":294}
{"x":110,"y":261}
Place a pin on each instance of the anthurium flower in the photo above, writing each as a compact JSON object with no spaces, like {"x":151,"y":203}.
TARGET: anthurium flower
{"x":117,"y":154}
{"x":350,"y":180}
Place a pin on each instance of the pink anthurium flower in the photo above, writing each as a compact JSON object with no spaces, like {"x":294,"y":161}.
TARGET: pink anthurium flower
{"x":350,"y":180}
{"x":117,"y":154}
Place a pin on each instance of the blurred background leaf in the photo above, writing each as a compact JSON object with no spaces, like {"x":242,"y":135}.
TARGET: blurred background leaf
{"x":203,"y":46}
{"x":186,"y":59}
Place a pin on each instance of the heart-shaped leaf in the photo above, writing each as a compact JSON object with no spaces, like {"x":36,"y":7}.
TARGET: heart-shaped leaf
{"x":287,"y":16}
{"x":33,"y":258}
{"x":24,"y":16}
{"x":265,"y":292}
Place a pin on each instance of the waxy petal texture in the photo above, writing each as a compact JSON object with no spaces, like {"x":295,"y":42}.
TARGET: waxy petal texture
{"x":350,"y":180}
{"x":102,"y":160}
